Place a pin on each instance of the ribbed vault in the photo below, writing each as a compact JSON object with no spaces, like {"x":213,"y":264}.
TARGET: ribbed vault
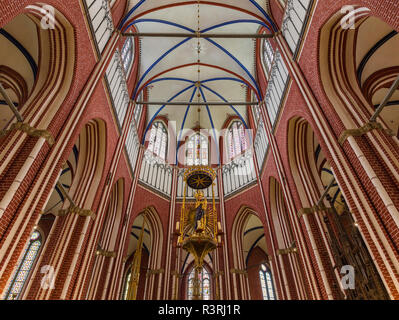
{"x":171,"y":68}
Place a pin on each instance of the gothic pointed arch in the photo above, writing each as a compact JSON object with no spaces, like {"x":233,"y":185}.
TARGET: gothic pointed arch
{"x":91,"y":146}
{"x":107,"y":247}
{"x":248,"y":236}
{"x":148,"y":224}
{"x":332,"y":221}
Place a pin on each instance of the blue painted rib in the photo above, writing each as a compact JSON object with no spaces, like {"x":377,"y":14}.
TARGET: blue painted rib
{"x":168,"y":79}
{"x":61,"y":195}
{"x":237,"y":61}
{"x":185,"y":261}
{"x":76,"y":153}
{"x":231,"y":79}
{"x":211,"y":120}
{"x":187,"y":39}
{"x":139,"y":228}
{"x":145,"y":247}
{"x":65,"y":170}
{"x":3,"y":102}
{"x":252,"y":229}
{"x":372,"y":51}
{"x":161,"y":108}
{"x":264,"y":13}
{"x":130,"y":13}
{"x":336,"y":196}
{"x":231,"y":106}
{"x":252,"y":247}
{"x":156,"y":62}
{"x":184,"y":121}
{"x":21,"y":48}
{"x":205,"y":81}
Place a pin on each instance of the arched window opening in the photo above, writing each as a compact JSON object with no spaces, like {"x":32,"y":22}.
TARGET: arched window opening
{"x":127,"y":55}
{"x":25,"y":266}
{"x":237,"y":143}
{"x":158,"y":140}
{"x":266,"y":283}
{"x":197,"y":152}
{"x":268,"y":56}
{"x":205,"y":285}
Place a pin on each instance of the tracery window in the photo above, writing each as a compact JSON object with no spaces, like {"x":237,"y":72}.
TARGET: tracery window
{"x":197,"y":151}
{"x":205,"y":285}
{"x":137,"y":113}
{"x":29,"y":257}
{"x":158,"y":140}
{"x":127,"y":54}
{"x":266,"y":283}
{"x":237,"y":143}
{"x":268,"y":56}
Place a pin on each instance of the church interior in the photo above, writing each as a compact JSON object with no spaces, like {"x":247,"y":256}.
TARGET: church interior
{"x":199,"y":150}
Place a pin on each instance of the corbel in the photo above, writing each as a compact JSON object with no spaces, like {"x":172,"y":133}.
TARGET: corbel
{"x":151,"y":272}
{"x":76,"y":210}
{"x":177,"y":274}
{"x":238,"y":271}
{"x":30,"y":131}
{"x":218,"y":273}
{"x":104,"y":253}
{"x":282,"y":252}
{"x":314,"y":209}
{"x":369,"y":126}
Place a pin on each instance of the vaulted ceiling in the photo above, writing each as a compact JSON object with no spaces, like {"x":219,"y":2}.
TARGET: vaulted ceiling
{"x":170,"y":68}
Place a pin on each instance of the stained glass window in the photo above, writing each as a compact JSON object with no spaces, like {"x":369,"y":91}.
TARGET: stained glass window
{"x":158,"y":140}
{"x":197,"y":150}
{"x":266,"y":283}
{"x":127,"y":54}
{"x":29,"y":256}
{"x":237,"y":143}
{"x":268,"y":56}
{"x":205,"y":285}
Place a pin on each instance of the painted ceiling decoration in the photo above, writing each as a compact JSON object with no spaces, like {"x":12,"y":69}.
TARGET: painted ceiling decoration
{"x":200,"y":70}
